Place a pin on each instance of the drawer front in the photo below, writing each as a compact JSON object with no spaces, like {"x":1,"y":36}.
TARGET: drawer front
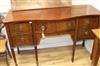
{"x":65,"y":25}
{"x":48,"y":27}
{"x":94,"y":22}
{"x":52,"y":27}
{"x":88,"y":22}
{"x":22,"y":40}
{"x":85,"y":34}
{"x":83,"y":22}
{"x":20,"y":28}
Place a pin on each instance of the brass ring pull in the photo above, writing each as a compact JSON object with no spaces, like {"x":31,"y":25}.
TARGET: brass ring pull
{"x":22,"y":39}
{"x":69,"y":25}
{"x":86,"y":33}
{"x":43,"y":29}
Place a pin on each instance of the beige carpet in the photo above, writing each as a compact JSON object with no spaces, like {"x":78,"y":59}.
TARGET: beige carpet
{"x":60,"y":56}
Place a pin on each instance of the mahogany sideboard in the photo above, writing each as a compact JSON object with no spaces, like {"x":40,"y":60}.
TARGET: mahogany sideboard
{"x":27,"y":27}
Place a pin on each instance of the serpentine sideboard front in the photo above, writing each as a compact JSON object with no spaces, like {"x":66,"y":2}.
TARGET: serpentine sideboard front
{"x":27,"y":27}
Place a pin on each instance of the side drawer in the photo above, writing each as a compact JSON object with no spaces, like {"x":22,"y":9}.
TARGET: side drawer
{"x":85,"y":34}
{"x":84,"y":22}
{"x":20,"y":28}
{"x":94,"y":22}
{"x":22,"y":40}
{"x":88,"y":22}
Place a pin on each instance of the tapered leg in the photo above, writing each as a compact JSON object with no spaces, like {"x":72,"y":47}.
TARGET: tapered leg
{"x":8,"y":51}
{"x":14,"y":57}
{"x":7,"y":60}
{"x":92,"y":51}
{"x":36,"y":55}
{"x":96,"y":52}
{"x":18,"y":50}
{"x":83,"y":43}
{"x":75,"y":37}
{"x":73,"y":53}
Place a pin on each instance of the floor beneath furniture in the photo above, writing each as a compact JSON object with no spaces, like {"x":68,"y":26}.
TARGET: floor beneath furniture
{"x":60,"y":56}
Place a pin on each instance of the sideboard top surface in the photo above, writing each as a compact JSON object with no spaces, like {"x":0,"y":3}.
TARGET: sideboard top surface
{"x":96,"y":32}
{"x":57,"y":13}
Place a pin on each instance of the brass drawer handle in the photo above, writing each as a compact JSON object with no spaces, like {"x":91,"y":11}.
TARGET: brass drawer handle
{"x":22,"y":39}
{"x":86,"y":33}
{"x":43,"y":28}
{"x":69,"y":25}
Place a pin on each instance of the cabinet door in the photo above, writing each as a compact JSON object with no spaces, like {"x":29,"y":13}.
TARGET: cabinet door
{"x":20,"y":28}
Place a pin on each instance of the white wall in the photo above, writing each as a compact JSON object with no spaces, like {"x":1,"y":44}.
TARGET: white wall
{"x":4,"y":5}
{"x":80,"y":2}
{"x":95,"y":3}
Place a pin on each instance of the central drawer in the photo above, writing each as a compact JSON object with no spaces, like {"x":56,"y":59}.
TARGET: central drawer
{"x":47,"y":27}
{"x":54,"y":27}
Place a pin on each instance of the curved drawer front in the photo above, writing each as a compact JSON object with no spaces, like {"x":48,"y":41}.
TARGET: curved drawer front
{"x":20,"y":28}
{"x":54,"y":27}
{"x":65,"y":25}
{"x":47,"y":27}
